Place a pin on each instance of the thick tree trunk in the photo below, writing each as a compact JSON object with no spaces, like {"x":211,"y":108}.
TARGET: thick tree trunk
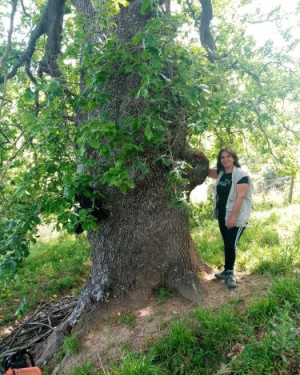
{"x":144,"y":243}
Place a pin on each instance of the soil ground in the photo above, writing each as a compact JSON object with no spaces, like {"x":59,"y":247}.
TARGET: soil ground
{"x":109,"y":339}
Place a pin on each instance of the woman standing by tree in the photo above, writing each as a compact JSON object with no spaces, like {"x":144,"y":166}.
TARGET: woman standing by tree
{"x":232,"y":206}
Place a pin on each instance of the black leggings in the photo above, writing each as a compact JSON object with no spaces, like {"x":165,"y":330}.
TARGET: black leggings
{"x":230,"y":239}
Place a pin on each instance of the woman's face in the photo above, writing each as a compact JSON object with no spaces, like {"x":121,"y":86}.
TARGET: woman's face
{"x":227,"y":160}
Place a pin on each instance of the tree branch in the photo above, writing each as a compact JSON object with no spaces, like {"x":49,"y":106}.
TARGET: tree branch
{"x":205,"y":35}
{"x":4,"y":99}
{"x":27,"y":54}
{"x":193,"y":13}
{"x":7,"y":140}
{"x":168,"y":6}
{"x":51,"y":24}
{"x":24,"y":9}
{"x":268,"y":17}
{"x":55,"y":13}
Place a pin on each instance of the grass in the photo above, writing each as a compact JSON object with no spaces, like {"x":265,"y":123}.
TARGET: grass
{"x":51,"y":270}
{"x":162,"y":294}
{"x":86,"y":369}
{"x":71,"y":344}
{"x":266,"y":335}
{"x":262,"y":338}
{"x":127,"y":319}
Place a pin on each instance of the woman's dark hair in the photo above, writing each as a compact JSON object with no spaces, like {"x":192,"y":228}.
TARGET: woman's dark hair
{"x":232,"y":153}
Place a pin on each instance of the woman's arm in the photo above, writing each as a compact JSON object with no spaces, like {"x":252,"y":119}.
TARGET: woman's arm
{"x":212,"y":172}
{"x":241,"y":193}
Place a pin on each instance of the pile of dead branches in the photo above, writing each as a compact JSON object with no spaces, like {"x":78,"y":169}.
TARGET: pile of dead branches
{"x":37,"y":326}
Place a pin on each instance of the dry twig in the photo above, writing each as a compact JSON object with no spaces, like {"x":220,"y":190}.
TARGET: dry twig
{"x":38,"y":326}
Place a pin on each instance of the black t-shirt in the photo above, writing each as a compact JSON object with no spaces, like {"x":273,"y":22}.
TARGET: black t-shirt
{"x":223,"y":190}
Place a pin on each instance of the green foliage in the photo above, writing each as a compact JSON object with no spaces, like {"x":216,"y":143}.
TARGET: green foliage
{"x":176,"y":351}
{"x":275,"y":315}
{"x":278,"y":261}
{"x":261,"y":310}
{"x":267,"y":203}
{"x":267,"y":338}
{"x":276,"y":351}
{"x":287,"y":291}
{"x":269,"y":238}
{"x":159,"y":57}
{"x":283,"y":292}
{"x":266,"y":329}
{"x":208,"y":242}
{"x":58,"y":356}
{"x":22,"y":309}
{"x":243,"y":96}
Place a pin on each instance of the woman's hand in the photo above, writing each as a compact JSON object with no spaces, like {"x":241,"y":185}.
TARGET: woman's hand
{"x":230,"y":223}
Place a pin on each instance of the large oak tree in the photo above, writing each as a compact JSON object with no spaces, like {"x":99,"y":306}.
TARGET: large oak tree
{"x":129,"y":142}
